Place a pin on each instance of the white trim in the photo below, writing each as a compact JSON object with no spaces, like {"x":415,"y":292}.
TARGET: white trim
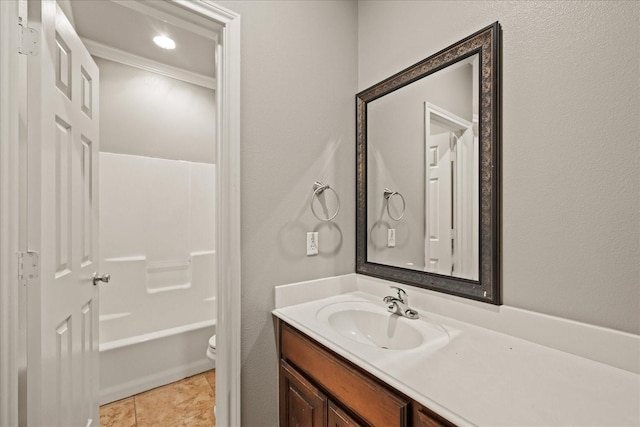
{"x":446,"y":118}
{"x":228,"y":222}
{"x":113,"y":54}
{"x":9,"y":190}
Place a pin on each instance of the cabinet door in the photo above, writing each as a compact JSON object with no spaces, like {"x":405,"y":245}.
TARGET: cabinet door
{"x":301,"y":403}
{"x":338,"y":418}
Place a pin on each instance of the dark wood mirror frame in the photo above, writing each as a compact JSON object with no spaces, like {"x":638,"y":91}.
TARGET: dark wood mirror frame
{"x":486,"y":43}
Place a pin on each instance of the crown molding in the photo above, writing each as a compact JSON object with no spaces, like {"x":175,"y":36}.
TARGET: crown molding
{"x":114,"y":54}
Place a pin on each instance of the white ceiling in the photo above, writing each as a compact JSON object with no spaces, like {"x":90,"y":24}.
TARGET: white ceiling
{"x":126,"y":29}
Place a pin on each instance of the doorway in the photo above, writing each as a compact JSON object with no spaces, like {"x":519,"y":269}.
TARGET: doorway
{"x":227,"y":135}
{"x":157,"y":191}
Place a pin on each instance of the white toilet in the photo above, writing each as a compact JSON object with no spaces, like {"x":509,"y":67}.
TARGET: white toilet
{"x":211,"y":354}
{"x":211,"y":350}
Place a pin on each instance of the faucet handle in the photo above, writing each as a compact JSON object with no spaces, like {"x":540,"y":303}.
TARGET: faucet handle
{"x":402,"y":295}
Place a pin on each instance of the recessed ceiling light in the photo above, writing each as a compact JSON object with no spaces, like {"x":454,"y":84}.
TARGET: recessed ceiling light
{"x":164,"y":42}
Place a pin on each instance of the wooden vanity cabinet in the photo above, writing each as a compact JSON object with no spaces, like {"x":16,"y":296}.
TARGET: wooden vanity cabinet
{"x":319,"y":388}
{"x":306,"y":405}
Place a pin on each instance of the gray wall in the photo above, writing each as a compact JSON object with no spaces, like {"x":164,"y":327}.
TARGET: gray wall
{"x":147,"y":114}
{"x":571,"y":172}
{"x":570,"y":211}
{"x":299,"y":79}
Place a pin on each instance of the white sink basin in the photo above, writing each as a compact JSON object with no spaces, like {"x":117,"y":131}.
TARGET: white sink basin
{"x":370,"y":324}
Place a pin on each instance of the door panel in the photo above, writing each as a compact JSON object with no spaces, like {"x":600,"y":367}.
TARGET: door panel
{"x":63,"y":317}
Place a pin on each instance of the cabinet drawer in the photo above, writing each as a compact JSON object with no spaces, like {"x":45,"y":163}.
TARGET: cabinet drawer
{"x":369,"y":400}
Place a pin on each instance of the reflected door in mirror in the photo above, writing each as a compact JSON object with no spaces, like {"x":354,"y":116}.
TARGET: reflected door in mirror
{"x":421,"y":142}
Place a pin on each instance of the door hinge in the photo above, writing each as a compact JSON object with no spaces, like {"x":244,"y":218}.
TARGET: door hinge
{"x":28,"y":265}
{"x":29,"y":41}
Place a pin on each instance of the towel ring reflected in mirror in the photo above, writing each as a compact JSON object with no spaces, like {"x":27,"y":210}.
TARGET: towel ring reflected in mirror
{"x":318,"y":188}
{"x":388,"y":194}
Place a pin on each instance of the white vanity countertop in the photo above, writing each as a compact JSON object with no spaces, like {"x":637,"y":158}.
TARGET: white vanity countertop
{"x":483,"y":377}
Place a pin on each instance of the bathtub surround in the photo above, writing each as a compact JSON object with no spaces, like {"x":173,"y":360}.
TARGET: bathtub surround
{"x":157,"y":241}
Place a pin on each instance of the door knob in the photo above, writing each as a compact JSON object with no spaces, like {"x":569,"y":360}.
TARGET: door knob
{"x":101,"y":278}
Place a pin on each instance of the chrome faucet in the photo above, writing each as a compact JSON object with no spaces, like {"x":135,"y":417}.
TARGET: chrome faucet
{"x":400,"y":305}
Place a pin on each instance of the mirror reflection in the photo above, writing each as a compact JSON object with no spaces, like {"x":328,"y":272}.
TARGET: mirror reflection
{"x":422,"y":173}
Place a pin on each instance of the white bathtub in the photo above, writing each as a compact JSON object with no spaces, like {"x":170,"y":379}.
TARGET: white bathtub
{"x":150,"y":338}
{"x":136,"y":364}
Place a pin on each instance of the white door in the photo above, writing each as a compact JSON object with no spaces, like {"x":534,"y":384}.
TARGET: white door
{"x":62,"y":312}
{"x":438,"y":251}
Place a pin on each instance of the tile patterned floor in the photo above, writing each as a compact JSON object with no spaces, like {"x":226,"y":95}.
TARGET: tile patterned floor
{"x":184,"y":403}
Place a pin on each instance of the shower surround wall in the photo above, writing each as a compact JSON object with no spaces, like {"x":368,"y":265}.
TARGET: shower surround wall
{"x":157,"y":241}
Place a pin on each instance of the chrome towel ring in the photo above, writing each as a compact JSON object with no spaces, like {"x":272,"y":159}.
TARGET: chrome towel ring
{"x":318,"y":189}
{"x":388,"y":194}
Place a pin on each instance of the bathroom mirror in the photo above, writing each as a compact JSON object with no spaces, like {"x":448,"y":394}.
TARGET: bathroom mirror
{"x":428,"y":172}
